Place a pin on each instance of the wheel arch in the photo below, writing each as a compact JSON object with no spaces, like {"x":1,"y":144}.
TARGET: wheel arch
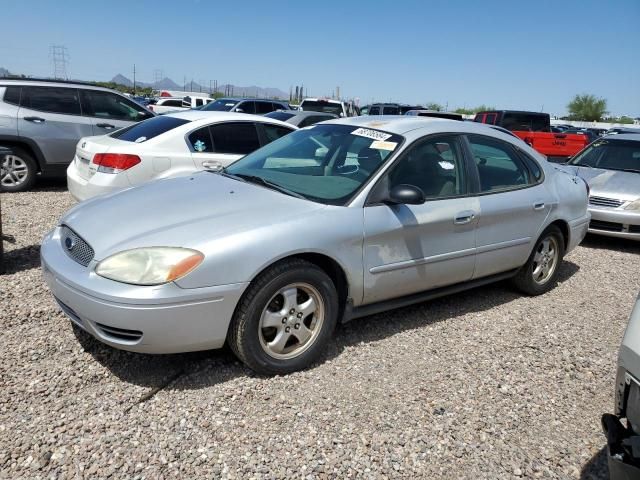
{"x":27,"y":144}
{"x":564,"y":228}
{"x":329,"y":265}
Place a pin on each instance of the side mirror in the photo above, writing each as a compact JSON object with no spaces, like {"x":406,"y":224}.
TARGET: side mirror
{"x":212,"y":166}
{"x":404,"y":194}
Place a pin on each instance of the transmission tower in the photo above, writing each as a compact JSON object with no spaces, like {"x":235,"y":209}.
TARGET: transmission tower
{"x":158,"y":75}
{"x":60,"y":60}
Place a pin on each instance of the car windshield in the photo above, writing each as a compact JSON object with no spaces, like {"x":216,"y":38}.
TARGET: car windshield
{"x":321,"y":106}
{"x":282,"y":116}
{"x":148,"y":129}
{"x":221,"y":105}
{"x":324,"y":163}
{"x":610,"y":155}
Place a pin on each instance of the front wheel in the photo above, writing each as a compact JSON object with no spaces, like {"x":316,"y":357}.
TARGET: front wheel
{"x":540,"y":273}
{"x":285,"y":318}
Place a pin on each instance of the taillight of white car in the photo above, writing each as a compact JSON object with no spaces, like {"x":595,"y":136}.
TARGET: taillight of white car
{"x":115,"y":162}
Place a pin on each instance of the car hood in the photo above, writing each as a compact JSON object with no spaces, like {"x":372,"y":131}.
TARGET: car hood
{"x":190,"y":211}
{"x":610,"y":183}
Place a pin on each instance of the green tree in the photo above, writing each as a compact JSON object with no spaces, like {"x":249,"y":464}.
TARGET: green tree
{"x":623,"y":119}
{"x":434,"y":106}
{"x":587,"y":107}
{"x":464,"y":111}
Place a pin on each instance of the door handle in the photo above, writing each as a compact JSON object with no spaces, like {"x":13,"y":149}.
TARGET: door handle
{"x":538,"y":206}
{"x":105,"y":125}
{"x":34,"y":119}
{"x":463,"y":218}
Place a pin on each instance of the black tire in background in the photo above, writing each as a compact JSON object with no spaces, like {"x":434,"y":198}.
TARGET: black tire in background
{"x":245,"y":337}
{"x":526,"y":279}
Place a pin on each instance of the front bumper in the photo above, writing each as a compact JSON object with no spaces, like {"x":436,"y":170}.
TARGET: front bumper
{"x":98,"y":184}
{"x":613,"y":222}
{"x":147,"y":319}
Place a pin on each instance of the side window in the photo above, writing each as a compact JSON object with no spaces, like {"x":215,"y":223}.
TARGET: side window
{"x":374,"y":111}
{"x":435,"y":166}
{"x":199,"y":102}
{"x":200,"y":140}
{"x":172,"y":103}
{"x":390,"y":111}
{"x":52,"y":99}
{"x":499,"y":167}
{"x":12,"y":95}
{"x":264,"y":107}
{"x":274,"y":132}
{"x":235,"y":138}
{"x":109,"y":105}
{"x":312,"y":120}
{"x":247,"y":107}
{"x":490,"y":118}
{"x":534,"y":168}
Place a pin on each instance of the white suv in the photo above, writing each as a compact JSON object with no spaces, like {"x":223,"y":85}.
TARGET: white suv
{"x":337,"y":107}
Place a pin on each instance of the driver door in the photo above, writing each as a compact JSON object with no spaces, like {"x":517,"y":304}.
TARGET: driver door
{"x":413,"y":248}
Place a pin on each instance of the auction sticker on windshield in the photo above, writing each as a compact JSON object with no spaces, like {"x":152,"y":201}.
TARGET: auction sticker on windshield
{"x":380,"y":145}
{"x":372,"y":134}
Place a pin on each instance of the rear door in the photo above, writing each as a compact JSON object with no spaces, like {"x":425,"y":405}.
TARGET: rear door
{"x":222,"y":142}
{"x":52,"y":117}
{"x":514,"y":205}
{"x":109,"y":111}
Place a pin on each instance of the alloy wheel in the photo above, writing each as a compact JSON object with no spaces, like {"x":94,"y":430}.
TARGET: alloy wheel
{"x":14,"y":171}
{"x":545,"y":260}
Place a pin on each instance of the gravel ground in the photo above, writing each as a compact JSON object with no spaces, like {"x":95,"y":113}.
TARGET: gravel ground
{"x":485,"y":384}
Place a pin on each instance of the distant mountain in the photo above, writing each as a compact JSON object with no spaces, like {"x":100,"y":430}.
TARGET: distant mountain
{"x":168,"y":84}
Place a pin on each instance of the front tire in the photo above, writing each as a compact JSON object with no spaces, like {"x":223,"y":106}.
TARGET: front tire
{"x":285,"y":318}
{"x":540,"y":273}
{"x":18,"y":172}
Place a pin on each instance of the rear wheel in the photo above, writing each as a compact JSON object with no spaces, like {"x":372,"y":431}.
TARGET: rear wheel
{"x":540,"y":273}
{"x":18,"y":172}
{"x":285,"y":318}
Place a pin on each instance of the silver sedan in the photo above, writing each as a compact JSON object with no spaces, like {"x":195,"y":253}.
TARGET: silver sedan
{"x":611,"y":166}
{"x":329,"y":223}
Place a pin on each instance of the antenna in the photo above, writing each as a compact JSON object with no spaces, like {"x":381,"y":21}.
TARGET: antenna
{"x":60,"y":60}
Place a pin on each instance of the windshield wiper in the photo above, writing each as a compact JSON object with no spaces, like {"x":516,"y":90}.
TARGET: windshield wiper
{"x":266,"y":183}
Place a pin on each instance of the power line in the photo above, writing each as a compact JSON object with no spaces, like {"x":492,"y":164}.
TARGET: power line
{"x":60,"y":60}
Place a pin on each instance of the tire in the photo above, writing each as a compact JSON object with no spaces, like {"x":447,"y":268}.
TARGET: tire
{"x":18,"y":171}
{"x":276,"y":329}
{"x":548,"y":252}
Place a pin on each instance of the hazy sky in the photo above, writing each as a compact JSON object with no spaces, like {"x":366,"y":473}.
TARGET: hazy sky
{"x":508,"y":54}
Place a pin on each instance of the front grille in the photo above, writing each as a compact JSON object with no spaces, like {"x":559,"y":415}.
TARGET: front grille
{"x":607,"y":226}
{"x":605,"y":202}
{"x":76,"y":247}
{"x":119,"y":333}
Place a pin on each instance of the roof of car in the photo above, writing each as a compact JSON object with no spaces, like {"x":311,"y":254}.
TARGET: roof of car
{"x":402,"y":124}
{"x":240,"y":99}
{"x":44,"y":82}
{"x":307,"y":113}
{"x":205,"y":116}
{"x":635,"y":137}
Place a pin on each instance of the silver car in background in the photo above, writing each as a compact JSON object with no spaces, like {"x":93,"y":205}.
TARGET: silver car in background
{"x":624,"y":440}
{"x":611,"y":167}
{"x":329,"y":223}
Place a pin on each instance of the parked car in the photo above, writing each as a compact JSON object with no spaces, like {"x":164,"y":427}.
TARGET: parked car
{"x":623,"y":440}
{"x":535,"y":129}
{"x":42,"y":120}
{"x":167,"y":146}
{"x":364,"y":110}
{"x":259,"y":106}
{"x":326,"y":105}
{"x":582,"y":131}
{"x":611,"y":167}
{"x":435,"y":114}
{"x":392,"y":108}
{"x":169,"y":105}
{"x":329,"y":223}
{"x":300,"y":119}
{"x":616,"y":130}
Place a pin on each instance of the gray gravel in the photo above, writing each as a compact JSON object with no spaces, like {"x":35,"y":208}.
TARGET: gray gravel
{"x":486,"y":384}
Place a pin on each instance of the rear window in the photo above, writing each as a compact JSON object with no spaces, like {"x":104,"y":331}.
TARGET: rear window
{"x":282,"y":116}
{"x":222,"y":105}
{"x":524,"y":122}
{"x":143,"y":131}
{"x":321,"y":106}
{"x":173,"y":103}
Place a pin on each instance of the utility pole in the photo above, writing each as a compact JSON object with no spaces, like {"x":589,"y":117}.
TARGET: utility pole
{"x":184,"y":83}
{"x":134,"y":79}
{"x":60,"y":59}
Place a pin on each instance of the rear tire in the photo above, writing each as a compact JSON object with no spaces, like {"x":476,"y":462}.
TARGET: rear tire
{"x":285,"y":318}
{"x":18,"y":171}
{"x":540,"y":273}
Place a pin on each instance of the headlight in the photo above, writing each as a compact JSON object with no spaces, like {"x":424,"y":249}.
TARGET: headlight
{"x":633,"y":205}
{"x":149,"y":266}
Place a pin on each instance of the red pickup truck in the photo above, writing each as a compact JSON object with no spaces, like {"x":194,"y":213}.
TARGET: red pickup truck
{"x":535,"y":129}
